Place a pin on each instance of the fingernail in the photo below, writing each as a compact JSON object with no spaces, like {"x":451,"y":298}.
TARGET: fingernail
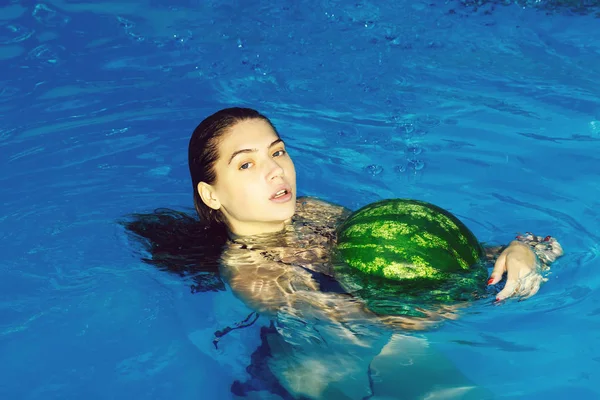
{"x":490,"y":281}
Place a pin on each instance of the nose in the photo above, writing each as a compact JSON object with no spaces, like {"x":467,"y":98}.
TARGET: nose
{"x":275,"y":170}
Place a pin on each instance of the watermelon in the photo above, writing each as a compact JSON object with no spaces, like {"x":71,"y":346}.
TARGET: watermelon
{"x":399,"y":255}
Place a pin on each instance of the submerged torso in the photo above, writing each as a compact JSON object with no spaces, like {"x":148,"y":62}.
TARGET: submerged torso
{"x":271,"y":271}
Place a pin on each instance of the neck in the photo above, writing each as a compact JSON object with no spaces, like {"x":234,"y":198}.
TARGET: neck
{"x":240,"y":230}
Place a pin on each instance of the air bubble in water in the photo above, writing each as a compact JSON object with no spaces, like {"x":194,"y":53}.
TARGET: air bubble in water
{"x":415,"y":150}
{"x":396,"y":117}
{"x":407,"y":127}
{"x":49,"y":17}
{"x":125,"y":23}
{"x":417,"y":165}
{"x":400,"y":169}
{"x":374,"y":169}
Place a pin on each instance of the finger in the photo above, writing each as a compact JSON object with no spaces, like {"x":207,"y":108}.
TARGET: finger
{"x":509,"y":289}
{"x":534,"y":287}
{"x":498,"y":271}
{"x":520,"y":264}
{"x":530,"y":284}
{"x":557,"y":249}
{"x":525,"y":285}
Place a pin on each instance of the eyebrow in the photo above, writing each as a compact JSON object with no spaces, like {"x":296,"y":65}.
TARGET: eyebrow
{"x":235,"y":153}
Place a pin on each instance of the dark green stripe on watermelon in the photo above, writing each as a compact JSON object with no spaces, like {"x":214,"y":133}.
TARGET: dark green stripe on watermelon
{"x":409,"y":248}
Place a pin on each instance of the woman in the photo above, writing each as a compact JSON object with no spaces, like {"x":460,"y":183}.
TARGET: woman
{"x":274,"y":254}
{"x":244,"y":182}
{"x":276,"y":258}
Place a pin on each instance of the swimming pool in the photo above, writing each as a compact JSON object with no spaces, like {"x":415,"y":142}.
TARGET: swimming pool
{"x":491,"y":112}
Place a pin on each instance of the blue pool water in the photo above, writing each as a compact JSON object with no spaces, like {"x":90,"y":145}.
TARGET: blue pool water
{"x":491,"y":112}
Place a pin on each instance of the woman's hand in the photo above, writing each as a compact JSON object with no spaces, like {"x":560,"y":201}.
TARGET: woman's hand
{"x":524,"y":277}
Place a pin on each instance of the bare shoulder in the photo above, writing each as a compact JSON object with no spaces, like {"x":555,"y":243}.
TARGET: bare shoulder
{"x":313,"y":209}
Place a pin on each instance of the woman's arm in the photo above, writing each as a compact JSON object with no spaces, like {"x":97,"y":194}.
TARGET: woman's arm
{"x":274,"y":289}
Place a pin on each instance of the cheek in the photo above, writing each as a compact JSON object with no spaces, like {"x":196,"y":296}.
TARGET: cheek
{"x":293,"y":171}
{"x":245,"y":190}
{"x":290,"y":167}
{"x":233,"y":188}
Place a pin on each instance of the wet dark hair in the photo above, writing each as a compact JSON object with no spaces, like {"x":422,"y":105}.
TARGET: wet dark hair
{"x":178,"y":241}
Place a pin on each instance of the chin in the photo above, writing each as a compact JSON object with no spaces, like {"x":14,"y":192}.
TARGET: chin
{"x":288,"y":210}
{"x":292,"y":206}
{"x":281,"y":211}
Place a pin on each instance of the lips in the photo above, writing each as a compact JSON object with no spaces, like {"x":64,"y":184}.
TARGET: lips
{"x":283,"y":192}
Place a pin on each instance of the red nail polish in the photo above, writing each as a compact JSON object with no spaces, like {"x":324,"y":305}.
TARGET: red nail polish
{"x":490,"y":281}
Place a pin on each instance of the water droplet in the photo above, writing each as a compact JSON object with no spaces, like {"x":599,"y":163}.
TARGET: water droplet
{"x":374,"y":169}
{"x":400,"y":169}
{"x":125,"y":23}
{"x":417,"y":165}
{"x":415,"y":150}
{"x":407,"y":127}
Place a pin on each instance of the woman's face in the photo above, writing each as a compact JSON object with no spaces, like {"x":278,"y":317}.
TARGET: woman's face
{"x":256,"y":180}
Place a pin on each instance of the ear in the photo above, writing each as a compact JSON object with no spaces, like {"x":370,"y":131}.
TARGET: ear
{"x":208,"y":195}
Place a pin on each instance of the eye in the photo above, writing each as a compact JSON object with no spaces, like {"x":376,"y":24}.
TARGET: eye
{"x":279,"y":153}
{"x":246,"y":165}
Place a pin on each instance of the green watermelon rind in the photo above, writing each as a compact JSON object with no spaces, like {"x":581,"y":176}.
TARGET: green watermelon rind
{"x":396,"y":277}
{"x":410,"y":244}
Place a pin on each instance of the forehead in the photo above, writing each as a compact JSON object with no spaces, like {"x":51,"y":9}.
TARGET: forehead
{"x":247,"y":134}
